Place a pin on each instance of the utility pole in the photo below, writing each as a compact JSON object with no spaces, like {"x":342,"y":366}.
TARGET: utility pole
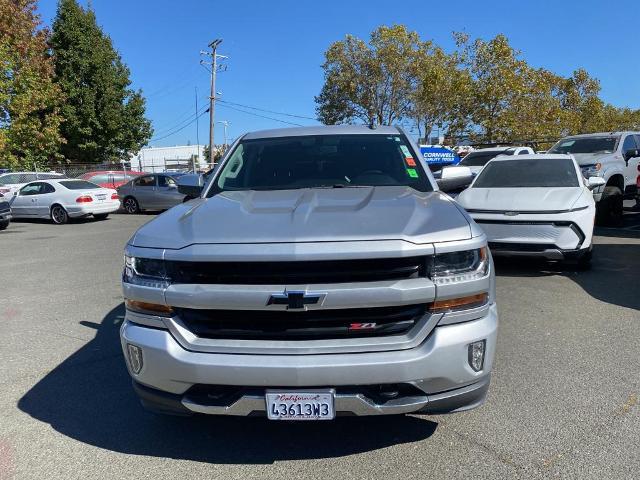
{"x":212,"y":97}
{"x":197,"y":135}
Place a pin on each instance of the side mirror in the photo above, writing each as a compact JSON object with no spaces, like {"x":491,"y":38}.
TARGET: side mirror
{"x":453,"y":178}
{"x":190,"y":190}
{"x":595,"y":182}
{"x":629,"y":154}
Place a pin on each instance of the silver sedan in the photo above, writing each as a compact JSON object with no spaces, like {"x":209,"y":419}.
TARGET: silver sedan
{"x":158,"y":191}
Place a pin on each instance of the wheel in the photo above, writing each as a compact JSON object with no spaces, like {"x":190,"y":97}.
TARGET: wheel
{"x":610,"y":207}
{"x":584,"y":262}
{"x":4,"y":225}
{"x":131,"y":205}
{"x":100,"y":216}
{"x":59,"y":215}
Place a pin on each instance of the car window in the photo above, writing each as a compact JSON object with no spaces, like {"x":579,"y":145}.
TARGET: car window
{"x":148,"y":181}
{"x":527,"y":173}
{"x":164,"y":181}
{"x":47,"y":188}
{"x":629,"y":144}
{"x":322,"y":161}
{"x":586,"y":145}
{"x":479,"y":159}
{"x":523,"y":152}
{"x":79,"y":185}
{"x":31,"y":189}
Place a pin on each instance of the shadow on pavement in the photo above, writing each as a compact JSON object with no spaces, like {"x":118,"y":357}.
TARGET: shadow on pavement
{"x":89,"y":398}
{"x":613,"y":278}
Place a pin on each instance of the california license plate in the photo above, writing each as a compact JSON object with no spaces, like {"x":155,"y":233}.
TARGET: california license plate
{"x":300,"y":405}
{"x":101,"y":198}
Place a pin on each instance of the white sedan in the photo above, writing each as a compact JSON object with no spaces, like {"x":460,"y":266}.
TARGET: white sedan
{"x":534,"y":205}
{"x":60,"y":200}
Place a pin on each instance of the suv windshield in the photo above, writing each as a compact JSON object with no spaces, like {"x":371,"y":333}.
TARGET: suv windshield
{"x":480,"y":159}
{"x":560,"y":172}
{"x":322,"y":161}
{"x":586,"y":145}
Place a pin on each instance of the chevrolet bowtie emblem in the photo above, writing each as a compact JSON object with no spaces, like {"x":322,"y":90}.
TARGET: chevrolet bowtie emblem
{"x":296,"y":300}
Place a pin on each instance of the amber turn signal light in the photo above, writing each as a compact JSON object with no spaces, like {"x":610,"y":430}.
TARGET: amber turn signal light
{"x":148,"y":308}
{"x":461,"y":303}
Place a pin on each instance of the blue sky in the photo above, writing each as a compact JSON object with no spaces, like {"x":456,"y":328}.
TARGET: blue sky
{"x":275,"y":48}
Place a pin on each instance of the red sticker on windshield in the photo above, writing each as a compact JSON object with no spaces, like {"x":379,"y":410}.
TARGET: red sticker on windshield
{"x":410,"y":161}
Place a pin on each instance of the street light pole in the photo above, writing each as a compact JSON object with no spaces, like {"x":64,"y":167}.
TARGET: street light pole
{"x":226,"y":125}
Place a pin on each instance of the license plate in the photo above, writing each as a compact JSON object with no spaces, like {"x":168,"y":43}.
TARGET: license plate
{"x":101,"y":197}
{"x":300,"y":405}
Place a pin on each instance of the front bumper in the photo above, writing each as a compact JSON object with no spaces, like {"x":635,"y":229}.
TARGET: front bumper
{"x":438,"y":369}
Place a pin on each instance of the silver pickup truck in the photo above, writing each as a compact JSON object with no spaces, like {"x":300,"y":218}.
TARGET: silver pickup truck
{"x":319,"y":272}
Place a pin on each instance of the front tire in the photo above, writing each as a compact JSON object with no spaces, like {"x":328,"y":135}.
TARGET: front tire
{"x":59,"y":215}
{"x":100,"y":216}
{"x":610,"y":207}
{"x":4,"y":225}
{"x":131,"y":205}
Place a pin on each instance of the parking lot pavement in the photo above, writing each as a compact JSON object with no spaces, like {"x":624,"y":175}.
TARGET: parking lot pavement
{"x":564,"y":399}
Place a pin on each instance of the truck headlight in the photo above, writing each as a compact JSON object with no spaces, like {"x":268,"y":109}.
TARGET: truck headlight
{"x":146,"y":272}
{"x":460,"y":266}
{"x":591,"y":170}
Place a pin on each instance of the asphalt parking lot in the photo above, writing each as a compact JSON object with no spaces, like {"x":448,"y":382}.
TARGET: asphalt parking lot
{"x":564,"y":399}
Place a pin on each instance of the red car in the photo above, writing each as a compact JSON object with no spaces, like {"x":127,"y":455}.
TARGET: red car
{"x":110,"y":178}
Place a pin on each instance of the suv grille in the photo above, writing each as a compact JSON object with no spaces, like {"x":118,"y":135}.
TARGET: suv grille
{"x":307,"y":325}
{"x":279,"y":273}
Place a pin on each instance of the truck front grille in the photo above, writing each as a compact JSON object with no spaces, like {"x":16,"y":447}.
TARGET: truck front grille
{"x":307,"y":325}
{"x":288,"y":273}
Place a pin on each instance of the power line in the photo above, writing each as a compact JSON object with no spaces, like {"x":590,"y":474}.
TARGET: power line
{"x":261,"y":116}
{"x":205,"y":110}
{"x":179,"y":123}
{"x":268,"y":111}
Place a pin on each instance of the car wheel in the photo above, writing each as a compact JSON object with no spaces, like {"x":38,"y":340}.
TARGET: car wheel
{"x":59,"y":215}
{"x":610,"y":207}
{"x":131,"y":205}
{"x":584,"y":262}
{"x":4,"y":225}
{"x":100,"y":216}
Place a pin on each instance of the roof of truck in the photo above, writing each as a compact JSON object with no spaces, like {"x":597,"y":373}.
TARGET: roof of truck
{"x":322,"y":130}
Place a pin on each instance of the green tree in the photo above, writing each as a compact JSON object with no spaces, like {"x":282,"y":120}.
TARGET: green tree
{"x":368,"y":82}
{"x":441,"y":94}
{"x":104,"y":118}
{"x":29,"y":100}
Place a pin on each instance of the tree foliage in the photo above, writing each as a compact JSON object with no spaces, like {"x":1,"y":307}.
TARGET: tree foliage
{"x":29,"y":99}
{"x":104,"y":118}
{"x":484,"y":90}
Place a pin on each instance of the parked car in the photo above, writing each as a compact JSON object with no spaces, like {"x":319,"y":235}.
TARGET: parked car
{"x":319,"y":272}
{"x":10,"y":183}
{"x":5,"y":212}
{"x":110,"y":178}
{"x":59,"y":200}
{"x":615,"y":157}
{"x":158,"y":191}
{"x":535,"y":205}
{"x":479,"y":158}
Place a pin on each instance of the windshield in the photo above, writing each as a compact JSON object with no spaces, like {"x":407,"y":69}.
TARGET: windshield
{"x":322,"y":161}
{"x":555,"y":172}
{"x":79,"y":185}
{"x":586,"y":145}
{"x":479,"y":159}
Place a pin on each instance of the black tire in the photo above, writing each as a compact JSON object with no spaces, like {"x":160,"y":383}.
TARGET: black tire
{"x":4,"y":225}
{"x":100,"y":216}
{"x":610,"y":207}
{"x":59,"y":215}
{"x":131,"y":205}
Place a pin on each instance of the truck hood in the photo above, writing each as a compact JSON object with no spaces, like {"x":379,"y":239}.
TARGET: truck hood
{"x":308,"y":215}
{"x":590,"y":158}
{"x":519,"y":199}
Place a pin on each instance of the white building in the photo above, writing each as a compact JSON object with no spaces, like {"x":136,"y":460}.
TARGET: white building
{"x":178,"y":158}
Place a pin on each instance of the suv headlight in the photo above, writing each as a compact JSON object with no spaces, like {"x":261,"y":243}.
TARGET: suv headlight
{"x":460,"y":266}
{"x":146,"y":272}
{"x":592,"y":170}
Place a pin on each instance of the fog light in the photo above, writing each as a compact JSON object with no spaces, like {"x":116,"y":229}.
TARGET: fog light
{"x":476,"y":355}
{"x":135,"y":358}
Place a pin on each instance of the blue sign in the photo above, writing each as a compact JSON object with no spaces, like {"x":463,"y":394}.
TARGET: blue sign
{"x":439,"y":156}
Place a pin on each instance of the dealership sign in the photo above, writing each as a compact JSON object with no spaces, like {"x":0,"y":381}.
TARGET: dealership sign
{"x":439,"y":155}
